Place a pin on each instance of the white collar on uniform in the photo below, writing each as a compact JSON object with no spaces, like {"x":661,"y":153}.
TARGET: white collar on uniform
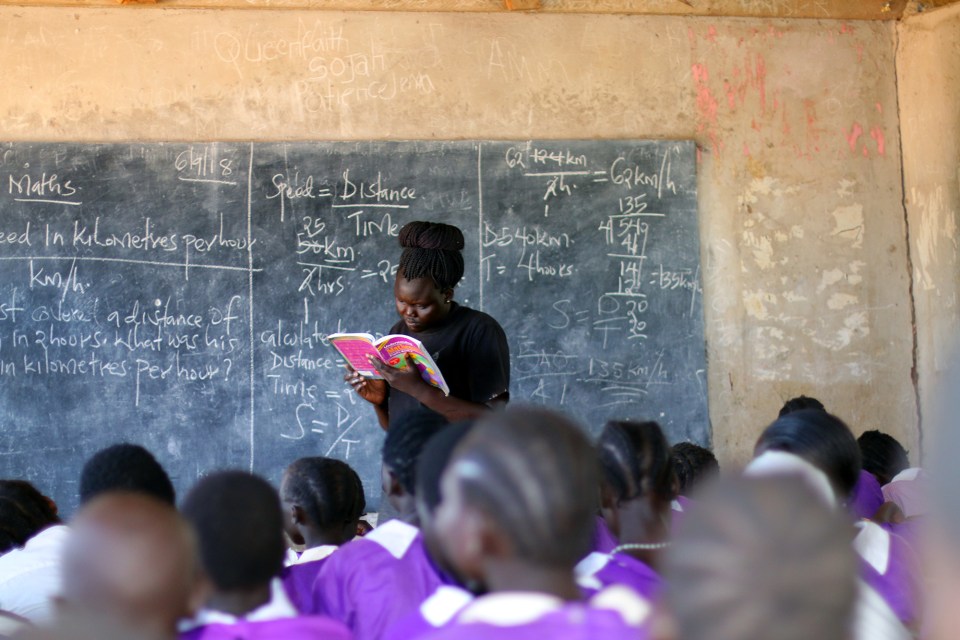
{"x":907,"y":475}
{"x":586,"y":570}
{"x":509,"y":608}
{"x":873,"y":545}
{"x":395,"y":536}
{"x":278,"y":607}
{"x":316,"y":553}
{"x":446,"y":602}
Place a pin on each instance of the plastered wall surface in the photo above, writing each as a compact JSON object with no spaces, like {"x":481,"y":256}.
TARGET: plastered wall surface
{"x":802,"y":226}
{"x":928,"y":62}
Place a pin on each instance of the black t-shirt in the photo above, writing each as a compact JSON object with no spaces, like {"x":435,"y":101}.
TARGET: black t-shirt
{"x":471,"y":350}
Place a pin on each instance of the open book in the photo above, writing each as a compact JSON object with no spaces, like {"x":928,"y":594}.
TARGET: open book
{"x":355,"y":347}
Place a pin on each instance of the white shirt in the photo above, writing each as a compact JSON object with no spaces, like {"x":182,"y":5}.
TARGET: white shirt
{"x":30,"y":577}
{"x":277,"y":608}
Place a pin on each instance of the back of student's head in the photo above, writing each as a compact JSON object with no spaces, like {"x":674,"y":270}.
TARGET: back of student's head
{"x":693,"y":465}
{"x":800,"y":403}
{"x":404,"y":442}
{"x":635,"y":460}
{"x":125,"y":467}
{"x":533,"y":473}
{"x":882,"y":454}
{"x":762,"y":559}
{"x":24,"y":512}
{"x":328,"y":490}
{"x":821,"y":439}
{"x":239,"y":524}
{"x":130,"y":559}
{"x":17,"y":525}
{"x":433,"y":460}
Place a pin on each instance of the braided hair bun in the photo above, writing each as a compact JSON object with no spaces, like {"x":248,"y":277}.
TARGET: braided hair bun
{"x":432,"y":250}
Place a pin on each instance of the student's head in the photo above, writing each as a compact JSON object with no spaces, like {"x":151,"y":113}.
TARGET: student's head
{"x":693,"y":465}
{"x":24,"y":512}
{"x":401,"y":448}
{"x":125,"y":467}
{"x":520,"y":490}
{"x":431,"y":464}
{"x":638,"y":480}
{"x":17,"y":525}
{"x":761,"y":559}
{"x":133,"y":559}
{"x":799,"y":404}
{"x":821,"y":439}
{"x":431,"y":265}
{"x":883,"y":455}
{"x":239,"y":525}
{"x":322,"y":500}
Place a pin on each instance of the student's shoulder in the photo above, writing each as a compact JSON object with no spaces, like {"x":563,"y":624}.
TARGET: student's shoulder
{"x":391,"y":540}
{"x":296,"y":628}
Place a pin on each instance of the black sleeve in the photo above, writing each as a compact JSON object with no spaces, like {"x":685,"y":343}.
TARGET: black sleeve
{"x":488,"y":360}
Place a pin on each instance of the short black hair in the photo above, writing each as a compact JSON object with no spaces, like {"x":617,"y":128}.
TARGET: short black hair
{"x":692,"y":464}
{"x":328,"y":490}
{"x":41,"y":508}
{"x":800,"y":403}
{"x":821,"y":439}
{"x":635,"y":459}
{"x":239,"y":525}
{"x":433,"y":460}
{"x":533,"y":472}
{"x":431,"y":250}
{"x":404,"y":442}
{"x":882,"y":454}
{"x":762,"y":559}
{"x":125,"y":467}
{"x":17,"y":525}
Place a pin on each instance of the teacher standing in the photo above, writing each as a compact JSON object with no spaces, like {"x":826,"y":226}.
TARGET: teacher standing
{"x":469,"y":346}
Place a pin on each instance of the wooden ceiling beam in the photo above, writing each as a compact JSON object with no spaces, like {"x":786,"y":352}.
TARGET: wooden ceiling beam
{"x":788,"y":9}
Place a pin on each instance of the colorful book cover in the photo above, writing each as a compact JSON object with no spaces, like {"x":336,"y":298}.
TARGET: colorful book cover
{"x":356,"y":347}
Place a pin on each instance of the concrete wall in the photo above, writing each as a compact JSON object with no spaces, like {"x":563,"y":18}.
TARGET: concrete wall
{"x":803,"y":229}
{"x":928,"y":64}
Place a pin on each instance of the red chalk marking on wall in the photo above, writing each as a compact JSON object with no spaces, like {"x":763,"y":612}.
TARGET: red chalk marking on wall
{"x":877,"y":134}
{"x":707,"y":105}
{"x":845,"y":28}
{"x":879,"y":108}
{"x":731,"y":94}
{"x":854,"y":134}
{"x":746,"y":150}
{"x":712,"y":34}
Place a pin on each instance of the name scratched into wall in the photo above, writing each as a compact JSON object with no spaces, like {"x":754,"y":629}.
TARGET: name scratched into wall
{"x":179,"y":295}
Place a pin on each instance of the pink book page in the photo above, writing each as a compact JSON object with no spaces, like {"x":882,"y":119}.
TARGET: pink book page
{"x":355,"y":352}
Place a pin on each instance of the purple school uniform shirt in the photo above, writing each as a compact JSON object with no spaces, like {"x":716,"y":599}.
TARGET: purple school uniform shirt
{"x":603,"y":540}
{"x":599,"y":571}
{"x":371,"y":583}
{"x":867,"y":496}
{"x":889,"y":565}
{"x":299,"y":576}
{"x":301,"y":628}
{"x":526,"y":616}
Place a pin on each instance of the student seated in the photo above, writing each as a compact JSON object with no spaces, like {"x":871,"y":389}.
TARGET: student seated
{"x":31,"y":540}
{"x":130,"y":565}
{"x":885,"y":458}
{"x":821,"y":447}
{"x":447,"y":599}
{"x":694,"y":466}
{"x":637,"y":489}
{"x":516,"y":515}
{"x":322,"y":501}
{"x":866,"y":497}
{"x":125,"y":467}
{"x":239,"y":525}
{"x":371,"y":583}
{"x":760,"y":559}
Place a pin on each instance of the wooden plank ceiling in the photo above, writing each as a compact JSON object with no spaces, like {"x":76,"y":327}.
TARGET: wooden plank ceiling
{"x":803,"y":9}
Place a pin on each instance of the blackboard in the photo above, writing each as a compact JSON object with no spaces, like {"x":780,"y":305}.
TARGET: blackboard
{"x":177,"y":295}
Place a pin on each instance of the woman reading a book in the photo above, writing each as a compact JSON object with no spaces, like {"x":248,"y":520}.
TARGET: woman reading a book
{"x":468,"y":346}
